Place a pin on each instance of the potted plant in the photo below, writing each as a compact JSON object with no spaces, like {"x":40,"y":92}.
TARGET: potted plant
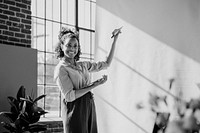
{"x":188,"y":113}
{"x":24,"y":114}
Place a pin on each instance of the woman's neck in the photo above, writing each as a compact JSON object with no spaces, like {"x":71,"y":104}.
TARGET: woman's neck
{"x":69,"y":60}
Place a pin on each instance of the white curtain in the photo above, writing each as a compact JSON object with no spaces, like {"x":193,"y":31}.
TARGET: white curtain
{"x":159,"y":41}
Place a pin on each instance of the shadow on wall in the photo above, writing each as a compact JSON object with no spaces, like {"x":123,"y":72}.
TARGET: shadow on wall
{"x":175,"y":22}
{"x":127,"y":66}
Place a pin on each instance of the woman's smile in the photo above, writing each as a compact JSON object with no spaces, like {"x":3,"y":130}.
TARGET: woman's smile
{"x":71,"y":53}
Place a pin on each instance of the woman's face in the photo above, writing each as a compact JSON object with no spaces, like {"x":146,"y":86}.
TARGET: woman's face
{"x":70,"y":47}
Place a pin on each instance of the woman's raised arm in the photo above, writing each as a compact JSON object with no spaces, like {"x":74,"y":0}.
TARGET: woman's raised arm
{"x":115,"y":34}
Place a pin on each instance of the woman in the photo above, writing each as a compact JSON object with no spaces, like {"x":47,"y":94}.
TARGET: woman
{"x":72,"y":78}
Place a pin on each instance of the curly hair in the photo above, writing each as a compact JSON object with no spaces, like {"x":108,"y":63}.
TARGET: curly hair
{"x":63,"y":34}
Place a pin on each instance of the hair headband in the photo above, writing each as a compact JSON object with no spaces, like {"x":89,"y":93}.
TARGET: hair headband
{"x":66,"y":32}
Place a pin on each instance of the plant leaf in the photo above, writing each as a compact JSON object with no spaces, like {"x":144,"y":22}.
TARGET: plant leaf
{"x":23,"y":107}
{"x":36,"y":116}
{"x":40,"y":113}
{"x":12,"y":117}
{"x":9,"y":126}
{"x":21,"y":104}
{"x":31,"y":99}
{"x":34,"y":119}
{"x":14,"y":105}
{"x":23,"y":120}
{"x":25,"y":99}
{"x":35,"y":109}
{"x":21,"y":93}
{"x":38,"y":98}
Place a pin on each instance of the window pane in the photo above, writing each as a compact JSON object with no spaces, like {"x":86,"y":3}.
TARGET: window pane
{"x":40,"y":92}
{"x":51,"y":59}
{"x":38,"y":34}
{"x":49,"y":37}
{"x":40,"y":8}
{"x":68,"y":12}
{"x":93,"y":43}
{"x":65,"y":25}
{"x":33,"y":7}
{"x":49,"y":9}
{"x":41,"y":57}
{"x":40,"y":79}
{"x":71,"y":12}
{"x":93,"y":15}
{"x":34,"y":33}
{"x":85,"y":41}
{"x":53,"y":10}
{"x":84,"y":14}
{"x":87,"y":14}
{"x":52,"y":30}
{"x":56,"y":10}
{"x":52,"y":103}
{"x":56,"y":30}
{"x":50,"y":74}
{"x":64,"y":7}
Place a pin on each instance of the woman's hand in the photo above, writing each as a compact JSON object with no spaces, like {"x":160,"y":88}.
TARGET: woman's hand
{"x":100,"y":81}
{"x":84,"y":90}
{"x":116,"y":32}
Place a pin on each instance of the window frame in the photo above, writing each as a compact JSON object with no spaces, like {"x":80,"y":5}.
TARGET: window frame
{"x":40,"y":21}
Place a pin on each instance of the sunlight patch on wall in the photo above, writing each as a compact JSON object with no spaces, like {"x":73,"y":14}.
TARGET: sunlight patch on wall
{"x":142,"y":64}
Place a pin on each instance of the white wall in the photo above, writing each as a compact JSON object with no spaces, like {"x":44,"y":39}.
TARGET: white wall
{"x":159,"y":41}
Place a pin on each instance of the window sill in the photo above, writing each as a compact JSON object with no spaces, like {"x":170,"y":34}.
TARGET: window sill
{"x":49,"y":119}
{"x":54,"y":125}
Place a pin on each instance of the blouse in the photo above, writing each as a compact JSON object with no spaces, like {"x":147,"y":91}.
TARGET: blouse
{"x":70,"y":78}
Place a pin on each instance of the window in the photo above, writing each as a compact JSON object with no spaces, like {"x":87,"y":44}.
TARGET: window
{"x":48,"y":16}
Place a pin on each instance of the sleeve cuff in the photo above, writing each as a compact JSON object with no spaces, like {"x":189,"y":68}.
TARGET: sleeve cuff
{"x":70,"y":96}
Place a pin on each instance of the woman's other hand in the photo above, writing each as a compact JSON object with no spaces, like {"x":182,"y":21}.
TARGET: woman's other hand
{"x":100,"y":81}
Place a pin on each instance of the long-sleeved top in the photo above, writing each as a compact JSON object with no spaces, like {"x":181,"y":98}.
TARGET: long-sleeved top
{"x":70,"y":78}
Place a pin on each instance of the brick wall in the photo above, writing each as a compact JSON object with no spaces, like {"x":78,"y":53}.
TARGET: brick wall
{"x":15,"y":22}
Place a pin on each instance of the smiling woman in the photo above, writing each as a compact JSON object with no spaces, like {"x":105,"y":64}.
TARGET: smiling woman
{"x":73,"y":79}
